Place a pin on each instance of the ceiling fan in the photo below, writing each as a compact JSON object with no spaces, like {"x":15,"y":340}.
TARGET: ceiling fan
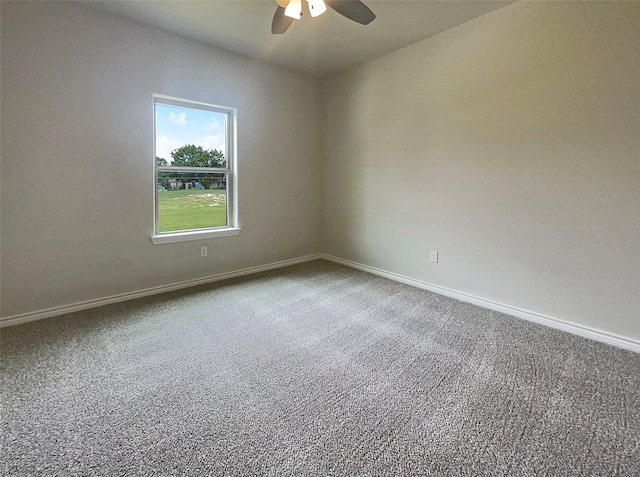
{"x":289,"y":10}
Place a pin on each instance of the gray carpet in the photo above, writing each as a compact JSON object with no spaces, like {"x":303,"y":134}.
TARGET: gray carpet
{"x":314,"y":369}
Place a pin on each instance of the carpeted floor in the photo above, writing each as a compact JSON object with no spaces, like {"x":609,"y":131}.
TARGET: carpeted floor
{"x":315,"y":370}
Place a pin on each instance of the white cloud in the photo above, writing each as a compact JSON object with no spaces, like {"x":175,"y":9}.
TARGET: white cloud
{"x":164,"y":146}
{"x":179,"y":119}
{"x":214,"y":141}
{"x":213,"y":124}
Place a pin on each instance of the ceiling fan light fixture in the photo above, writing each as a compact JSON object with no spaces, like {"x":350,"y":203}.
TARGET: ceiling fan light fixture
{"x":316,"y":7}
{"x":294,"y":9}
{"x":289,"y":10}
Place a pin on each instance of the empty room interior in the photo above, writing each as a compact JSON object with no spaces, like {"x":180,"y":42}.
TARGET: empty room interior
{"x":388,"y":238}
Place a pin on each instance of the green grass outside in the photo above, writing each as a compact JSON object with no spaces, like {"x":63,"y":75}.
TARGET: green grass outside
{"x":191,"y":209}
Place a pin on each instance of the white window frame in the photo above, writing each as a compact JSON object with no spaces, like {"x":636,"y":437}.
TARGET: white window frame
{"x":231,"y":173}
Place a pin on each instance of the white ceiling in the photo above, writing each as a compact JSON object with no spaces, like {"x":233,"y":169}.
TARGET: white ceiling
{"x":316,"y":46}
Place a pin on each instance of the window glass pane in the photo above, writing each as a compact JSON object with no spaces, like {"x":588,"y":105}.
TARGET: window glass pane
{"x":188,"y":200}
{"x":190,"y":137}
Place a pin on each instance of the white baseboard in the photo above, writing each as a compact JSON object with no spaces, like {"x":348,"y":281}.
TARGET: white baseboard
{"x":85,"y":305}
{"x":585,"y":332}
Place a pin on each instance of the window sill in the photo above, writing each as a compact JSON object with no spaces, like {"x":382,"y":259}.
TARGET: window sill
{"x":193,"y":235}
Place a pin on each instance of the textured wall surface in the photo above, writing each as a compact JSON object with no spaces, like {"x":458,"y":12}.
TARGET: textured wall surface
{"x":77,"y":170}
{"x":509,"y":144}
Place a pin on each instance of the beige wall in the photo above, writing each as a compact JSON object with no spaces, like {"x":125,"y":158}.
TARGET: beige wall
{"x":77,"y":170}
{"x":510,"y":144}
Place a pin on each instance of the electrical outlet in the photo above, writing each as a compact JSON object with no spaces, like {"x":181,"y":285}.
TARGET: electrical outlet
{"x":203,"y":251}
{"x":433,"y":256}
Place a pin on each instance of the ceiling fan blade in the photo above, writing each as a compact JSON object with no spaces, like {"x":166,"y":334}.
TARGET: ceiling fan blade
{"x":280,"y":22}
{"x":352,"y":9}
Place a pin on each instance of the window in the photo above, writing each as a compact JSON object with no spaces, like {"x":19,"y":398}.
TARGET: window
{"x":194,"y":170}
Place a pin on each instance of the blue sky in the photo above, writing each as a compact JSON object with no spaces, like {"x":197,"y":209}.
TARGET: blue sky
{"x":176,"y":127}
